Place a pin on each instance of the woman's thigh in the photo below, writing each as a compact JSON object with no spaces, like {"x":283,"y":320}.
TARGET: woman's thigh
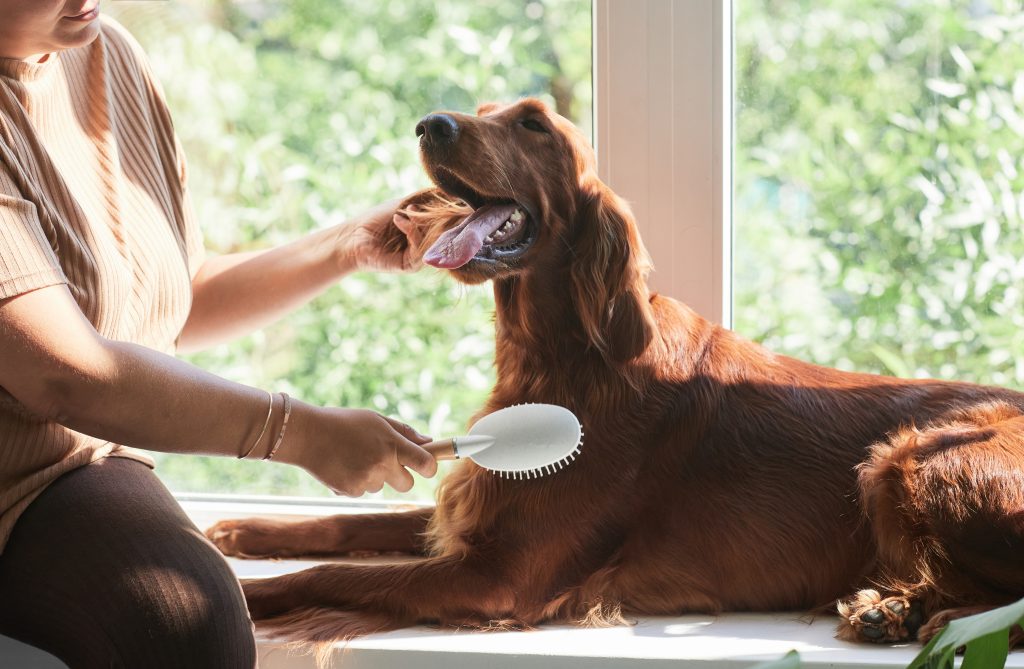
{"x":105,"y":570}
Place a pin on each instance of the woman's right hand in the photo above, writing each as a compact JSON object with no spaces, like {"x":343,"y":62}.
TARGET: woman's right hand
{"x":354,"y":451}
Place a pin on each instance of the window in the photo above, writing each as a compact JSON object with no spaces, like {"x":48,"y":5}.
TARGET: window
{"x":866,"y":216}
{"x":296,"y":113}
{"x":839,"y":180}
{"x":880,"y":185}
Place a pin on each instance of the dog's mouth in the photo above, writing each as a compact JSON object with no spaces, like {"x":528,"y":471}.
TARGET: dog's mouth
{"x":498,"y":231}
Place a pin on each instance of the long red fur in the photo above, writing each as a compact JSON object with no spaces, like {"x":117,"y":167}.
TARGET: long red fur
{"x":715,"y":475}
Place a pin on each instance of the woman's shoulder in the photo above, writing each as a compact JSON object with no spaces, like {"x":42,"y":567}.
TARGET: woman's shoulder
{"x":122,"y":49}
{"x":116,"y":35}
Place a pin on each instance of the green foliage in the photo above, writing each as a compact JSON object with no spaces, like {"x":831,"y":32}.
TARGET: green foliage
{"x":984,"y":638}
{"x":985,"y":635}
{"x":298,"y":113}
{"x":878,"y":179}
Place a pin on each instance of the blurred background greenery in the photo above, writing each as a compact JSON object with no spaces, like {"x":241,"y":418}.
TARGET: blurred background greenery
{"x":294,"y":115}
{"x":878,"y":182}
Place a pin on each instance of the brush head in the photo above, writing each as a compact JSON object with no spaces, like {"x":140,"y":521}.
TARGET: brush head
{"x":530,"y":440}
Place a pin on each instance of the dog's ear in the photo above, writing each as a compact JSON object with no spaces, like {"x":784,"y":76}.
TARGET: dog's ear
{"x":421,"y":218}
{"x":486,"y":108}
{"x":608,"y":276}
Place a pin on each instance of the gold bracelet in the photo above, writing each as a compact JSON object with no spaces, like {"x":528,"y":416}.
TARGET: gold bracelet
{"x":266,"y":423}
{"x":284,"y":426}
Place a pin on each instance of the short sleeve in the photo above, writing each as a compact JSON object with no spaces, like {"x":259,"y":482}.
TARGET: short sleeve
{"x":27,"y":257}
{"x":195,"y":249}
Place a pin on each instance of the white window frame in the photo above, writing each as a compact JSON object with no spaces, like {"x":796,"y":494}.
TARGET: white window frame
{"x":663,"y":135}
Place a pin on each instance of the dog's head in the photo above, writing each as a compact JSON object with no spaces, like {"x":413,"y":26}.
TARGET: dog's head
{"x":518,"y":167}
{"x":533,"y":203}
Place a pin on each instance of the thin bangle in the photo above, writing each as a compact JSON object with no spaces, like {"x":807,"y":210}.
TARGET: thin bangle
{"x":266,"y":423}
{"x":284,"y":426}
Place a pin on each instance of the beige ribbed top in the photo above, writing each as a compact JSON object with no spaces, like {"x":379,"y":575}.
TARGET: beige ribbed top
{"x":92,"y":194}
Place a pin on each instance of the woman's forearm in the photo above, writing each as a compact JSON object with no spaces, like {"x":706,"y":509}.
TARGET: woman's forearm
{"x":62,"y":370}
{"x":235,"y":294}
{"x":143,"y":398}
{"x":122,"y":392}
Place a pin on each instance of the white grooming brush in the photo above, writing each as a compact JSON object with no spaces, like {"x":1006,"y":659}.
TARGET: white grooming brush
{"x":519,"y":442}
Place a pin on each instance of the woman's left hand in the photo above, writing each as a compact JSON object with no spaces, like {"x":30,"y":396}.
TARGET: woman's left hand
{"x":381,"y":240}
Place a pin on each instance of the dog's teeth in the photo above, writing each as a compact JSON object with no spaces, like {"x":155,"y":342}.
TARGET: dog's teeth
{"x":517,"y":215}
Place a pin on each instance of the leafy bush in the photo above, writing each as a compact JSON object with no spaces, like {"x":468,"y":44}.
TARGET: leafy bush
{"x":879,"y":183}
{"x":297,"y":113}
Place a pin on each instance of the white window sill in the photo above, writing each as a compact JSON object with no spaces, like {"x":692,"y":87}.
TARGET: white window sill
{"x":733,"y":641}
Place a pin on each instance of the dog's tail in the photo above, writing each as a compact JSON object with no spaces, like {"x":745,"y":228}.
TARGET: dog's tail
{"x":318,"y":631}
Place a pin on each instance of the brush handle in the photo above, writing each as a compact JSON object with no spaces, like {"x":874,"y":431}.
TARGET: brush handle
{"x":455,"y":448}
{"x":442,"y":449}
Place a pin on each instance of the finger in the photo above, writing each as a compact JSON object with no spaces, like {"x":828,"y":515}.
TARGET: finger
{"x":407,"y":431}
{"x":403,"y":222}
{"x":415,"y":458}
{"x":400,"y":479}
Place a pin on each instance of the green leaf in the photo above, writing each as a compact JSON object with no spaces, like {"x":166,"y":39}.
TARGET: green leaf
{"x":981,"y":634}
{"x":790,"y":660}
{"x":988,"y":651}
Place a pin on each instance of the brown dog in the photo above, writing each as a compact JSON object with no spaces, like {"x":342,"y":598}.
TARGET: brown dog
{"x":715,"y":475}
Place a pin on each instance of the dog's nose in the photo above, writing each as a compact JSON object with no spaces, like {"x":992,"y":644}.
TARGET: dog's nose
{"x":438,"y":129}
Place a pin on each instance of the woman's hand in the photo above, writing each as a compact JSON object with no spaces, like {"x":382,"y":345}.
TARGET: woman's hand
{"x":380,"y":240}
{"x":354,"y":451}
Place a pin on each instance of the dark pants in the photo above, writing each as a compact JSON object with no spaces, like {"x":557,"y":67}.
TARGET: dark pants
{"x":105,"y":570}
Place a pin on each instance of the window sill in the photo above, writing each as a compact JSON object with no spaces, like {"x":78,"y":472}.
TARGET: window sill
{"x":734,"y":641}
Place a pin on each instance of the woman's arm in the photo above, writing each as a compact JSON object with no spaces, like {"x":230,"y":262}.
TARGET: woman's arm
{"x":59,"y":367}
{"x":235,"y":294}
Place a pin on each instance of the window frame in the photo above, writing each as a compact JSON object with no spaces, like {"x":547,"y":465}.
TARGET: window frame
{"x":664,"y":139}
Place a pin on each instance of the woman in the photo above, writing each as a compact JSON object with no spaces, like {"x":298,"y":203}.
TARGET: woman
{"x":102,"y":278}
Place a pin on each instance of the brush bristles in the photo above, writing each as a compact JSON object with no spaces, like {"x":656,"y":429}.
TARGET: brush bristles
{"x":542,"y":471}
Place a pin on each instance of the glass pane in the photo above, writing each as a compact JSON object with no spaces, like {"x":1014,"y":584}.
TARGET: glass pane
{"x":297,"y":113}
{"x":880,"y":184}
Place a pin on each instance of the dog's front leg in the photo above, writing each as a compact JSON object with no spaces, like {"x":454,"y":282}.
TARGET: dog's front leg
{"x":450,"y":590}
{"x":329,"y":536}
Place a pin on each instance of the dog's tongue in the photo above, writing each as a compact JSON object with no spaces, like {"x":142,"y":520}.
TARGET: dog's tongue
{"x":457,"y":246}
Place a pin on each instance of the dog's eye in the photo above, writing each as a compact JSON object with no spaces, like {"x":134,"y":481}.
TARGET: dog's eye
{"x":533,"y":125}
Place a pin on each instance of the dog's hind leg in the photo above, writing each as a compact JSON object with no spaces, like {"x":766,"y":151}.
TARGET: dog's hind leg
{"x":939,"y":621}
{"x":338,"y":535}
{"x":946,"y":505}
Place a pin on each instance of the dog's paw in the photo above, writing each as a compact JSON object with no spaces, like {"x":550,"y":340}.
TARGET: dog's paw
{"x":247,"y":538}
{"x":870,"y":617}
